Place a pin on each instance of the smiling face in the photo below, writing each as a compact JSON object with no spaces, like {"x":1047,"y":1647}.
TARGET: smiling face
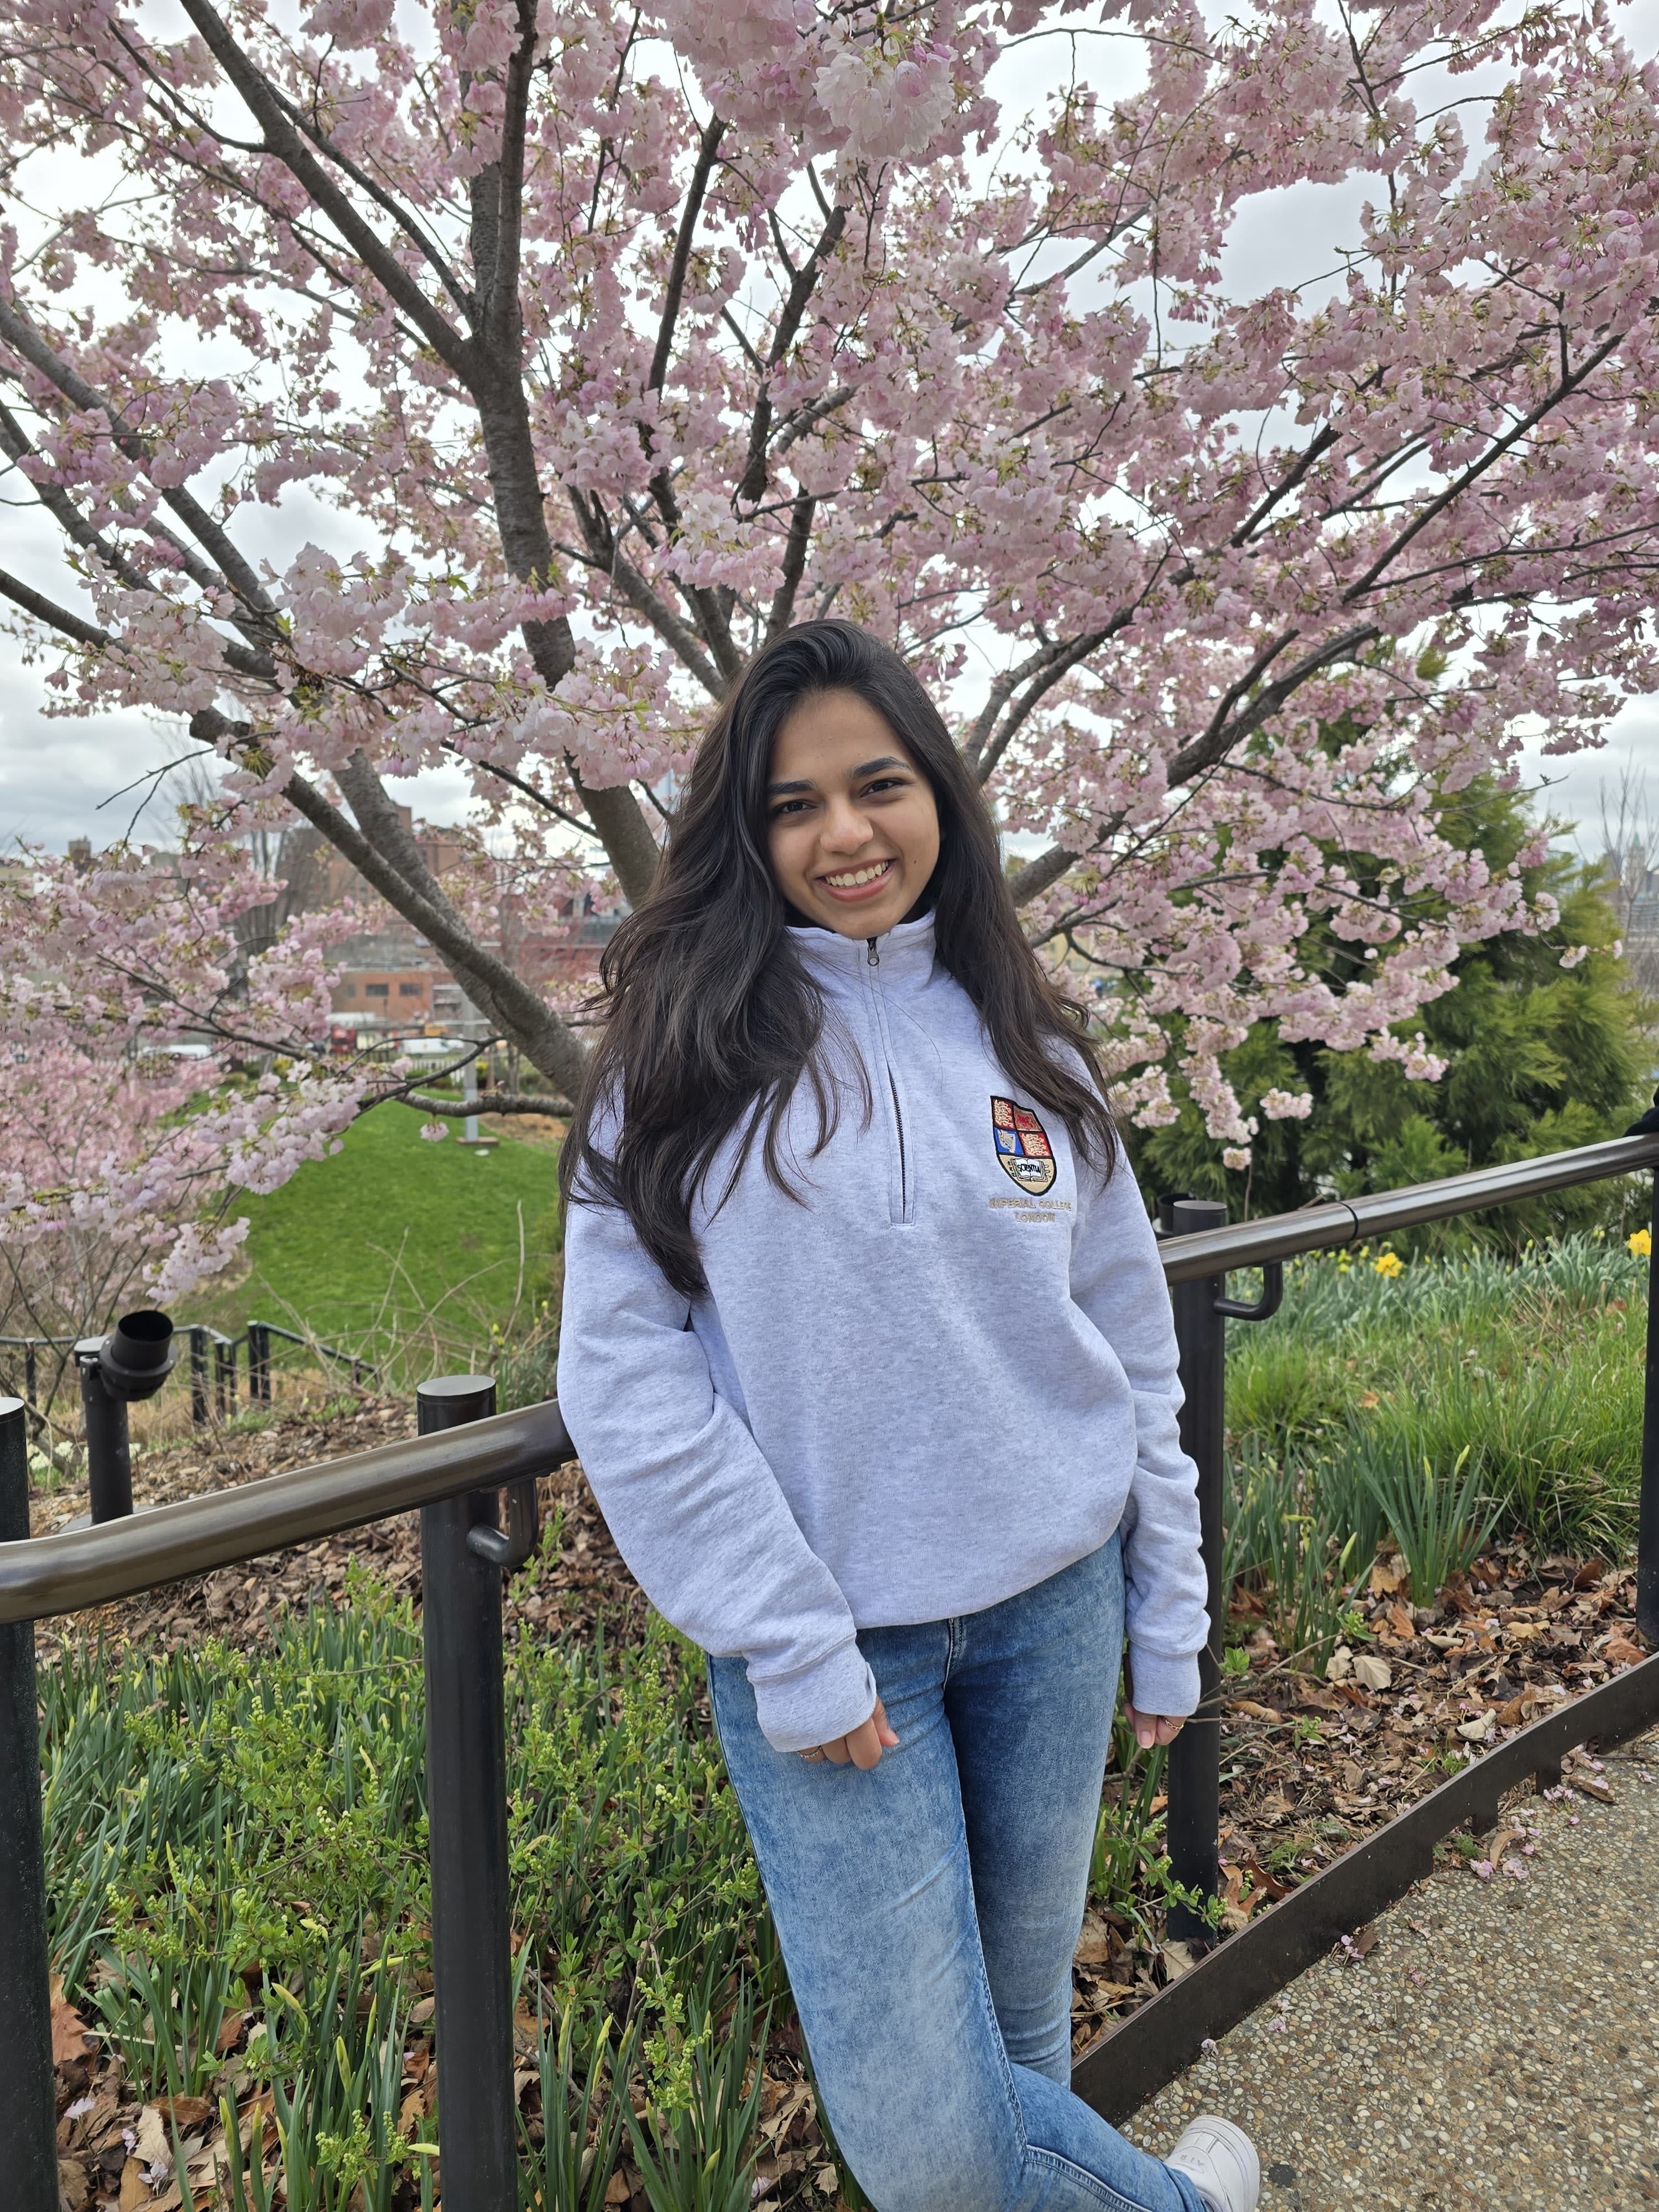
{"x":852,"y":828}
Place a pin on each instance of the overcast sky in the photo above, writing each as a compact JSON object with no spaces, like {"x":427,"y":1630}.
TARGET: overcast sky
{"x":60,"y":776}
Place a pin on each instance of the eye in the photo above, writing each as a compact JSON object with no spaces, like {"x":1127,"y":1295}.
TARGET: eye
{"x":785,"y":806}
{"x":886,"y":783}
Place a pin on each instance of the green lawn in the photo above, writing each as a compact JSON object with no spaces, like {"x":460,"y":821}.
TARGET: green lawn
{"x":394,"y":1234}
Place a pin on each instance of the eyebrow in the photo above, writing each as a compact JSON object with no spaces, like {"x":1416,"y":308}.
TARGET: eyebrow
{"x":864,"y":767}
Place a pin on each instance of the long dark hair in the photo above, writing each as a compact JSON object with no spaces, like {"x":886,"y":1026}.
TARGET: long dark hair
{"x":712,"y":1019}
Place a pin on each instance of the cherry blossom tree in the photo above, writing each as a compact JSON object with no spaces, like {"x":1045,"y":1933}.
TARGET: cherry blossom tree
{"x":610,"y":341}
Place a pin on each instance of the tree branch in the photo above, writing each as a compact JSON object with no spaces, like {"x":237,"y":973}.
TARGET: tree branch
{"x":285,"y":142}
{"x":22,"y":336}
{"x":1210,"y":749}
{"x":662,"y":352}
{"x":1060,"y":659}
{"x":502,"y":996}
{"x":782,"y":610}
{"x":490,"y":1102}
{"x":385,"y":200}
{"x":46,"y":611}
{"x":605,"y":553}
{"x":752,"y":485}
{"x":1437,"y":506}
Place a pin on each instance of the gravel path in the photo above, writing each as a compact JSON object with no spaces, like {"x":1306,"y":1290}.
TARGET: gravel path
{"x":1499,"y":2048}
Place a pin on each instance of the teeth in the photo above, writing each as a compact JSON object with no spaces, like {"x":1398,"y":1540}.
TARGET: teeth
{"x":853,"y":876}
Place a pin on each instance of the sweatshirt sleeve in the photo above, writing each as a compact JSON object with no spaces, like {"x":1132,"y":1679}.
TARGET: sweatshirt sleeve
{"x":694,"y":1509}
{"x":1117,"y":1280}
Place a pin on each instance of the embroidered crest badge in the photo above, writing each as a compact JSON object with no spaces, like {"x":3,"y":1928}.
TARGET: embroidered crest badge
{"x":1022,"y":1146}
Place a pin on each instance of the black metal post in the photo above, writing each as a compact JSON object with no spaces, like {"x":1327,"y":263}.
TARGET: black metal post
{"x":109,"y":1452}
{"x":1647,"y":1540}
{"x":1194,"y":1767}
{"x":29,"y":1381}
{"x":198,"y":1376}
{"x":259,"y":1362}
{"x":224,"y":1378}
{"x":28,"y":2115}
{"x":466,"y":1806}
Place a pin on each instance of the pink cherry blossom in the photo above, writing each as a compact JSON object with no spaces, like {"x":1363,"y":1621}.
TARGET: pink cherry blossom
{"x":600,"y":344}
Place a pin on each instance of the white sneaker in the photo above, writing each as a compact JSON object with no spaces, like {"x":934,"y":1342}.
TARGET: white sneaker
{"x":1219,"y":2160}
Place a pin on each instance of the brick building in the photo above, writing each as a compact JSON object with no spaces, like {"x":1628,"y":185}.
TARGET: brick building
{"x":390,"y":981}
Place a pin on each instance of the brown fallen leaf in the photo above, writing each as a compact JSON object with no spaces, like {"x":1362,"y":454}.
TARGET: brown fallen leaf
{"x":187,"y":2113}
{"x":1592,"y":1786}
{"x":1387,"y":1577}
{"x":73,"y":2188}
{"x":155,"y":2143}
{"x":1621,"y":1651}
{"x":70,"y":2036}
{"x":1179,"y":1958}
{"x":1096,"y":1943}
{"x":230,"y":2032}
{"x":134,"y":2190}
{"x":1366,"y":1941}
{"x":1255,"y":1711}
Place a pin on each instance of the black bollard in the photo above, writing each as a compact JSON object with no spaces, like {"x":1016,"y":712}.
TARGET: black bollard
{"x":28,"y":2121}
{"x":133,"y":1362}
{"x":109,"y":1448}
{"x":466,"y":1805}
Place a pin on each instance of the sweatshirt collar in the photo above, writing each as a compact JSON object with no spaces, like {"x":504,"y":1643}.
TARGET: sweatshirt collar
{"x":905,"y":955}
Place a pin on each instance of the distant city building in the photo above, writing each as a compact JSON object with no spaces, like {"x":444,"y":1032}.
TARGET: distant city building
{"x":1632,"y":889}
{"x":390,"y":981}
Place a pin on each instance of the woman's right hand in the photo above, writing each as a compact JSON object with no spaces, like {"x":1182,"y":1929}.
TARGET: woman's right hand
{"x":863,"y":1744}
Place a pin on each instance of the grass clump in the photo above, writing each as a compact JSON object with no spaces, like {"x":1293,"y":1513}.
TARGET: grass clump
{"x":1524,"y":1377}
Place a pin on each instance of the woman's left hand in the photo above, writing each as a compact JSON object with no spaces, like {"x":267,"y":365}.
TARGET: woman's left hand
{"x":1153,"y":1728}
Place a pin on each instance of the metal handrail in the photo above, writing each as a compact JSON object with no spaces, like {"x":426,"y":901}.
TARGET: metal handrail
{"x":81,"y":1567}
{"x":1197,"y":1249}
{"x":1345,"y":1221}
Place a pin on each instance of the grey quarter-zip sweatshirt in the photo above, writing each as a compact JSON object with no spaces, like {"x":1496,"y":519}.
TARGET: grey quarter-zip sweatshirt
{"x":941,"y":1372}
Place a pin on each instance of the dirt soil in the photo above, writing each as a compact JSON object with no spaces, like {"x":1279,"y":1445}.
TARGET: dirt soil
{"x":1310,"y":1765}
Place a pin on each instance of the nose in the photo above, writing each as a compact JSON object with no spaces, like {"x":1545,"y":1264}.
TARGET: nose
{"x":845,"y":825}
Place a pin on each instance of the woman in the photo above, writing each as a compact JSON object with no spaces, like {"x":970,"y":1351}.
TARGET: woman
{"x":870,"y":1362}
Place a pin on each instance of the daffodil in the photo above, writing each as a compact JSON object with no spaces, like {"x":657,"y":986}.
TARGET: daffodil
{"x":1389,"y":1264}
{"x":1641,"y":1244}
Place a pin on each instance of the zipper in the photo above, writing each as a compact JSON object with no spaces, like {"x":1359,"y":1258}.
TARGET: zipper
{"x":900,"y":1196}
{"x":898,"y":1123}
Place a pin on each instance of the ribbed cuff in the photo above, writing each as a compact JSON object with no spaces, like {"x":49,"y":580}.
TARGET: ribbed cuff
{"x":815,"y":1705}
{"x":1169,"y":1686}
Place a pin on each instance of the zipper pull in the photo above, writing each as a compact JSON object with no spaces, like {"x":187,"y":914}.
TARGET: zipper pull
{"x":871,"y":959}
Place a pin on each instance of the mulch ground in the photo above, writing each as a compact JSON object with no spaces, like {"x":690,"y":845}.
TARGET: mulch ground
{"x":241,"y":1605}
{"x":1311,"y":1763}
{"x":1311,"y":1766}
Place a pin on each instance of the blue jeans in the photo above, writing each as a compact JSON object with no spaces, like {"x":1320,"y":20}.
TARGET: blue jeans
{"x":928,"y":1908}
